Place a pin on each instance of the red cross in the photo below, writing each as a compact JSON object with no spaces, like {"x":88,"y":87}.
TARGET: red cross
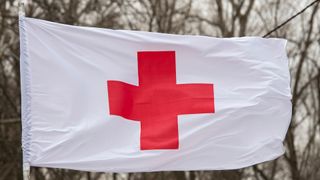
{"x":158,"y":100}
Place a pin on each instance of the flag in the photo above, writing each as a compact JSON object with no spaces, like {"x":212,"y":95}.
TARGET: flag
{"x":129,"y":101}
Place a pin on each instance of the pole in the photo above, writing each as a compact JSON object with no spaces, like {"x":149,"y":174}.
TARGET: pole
{"x":22,"y":11}
{"x":26,"y":171}
{"x":25,"y":165}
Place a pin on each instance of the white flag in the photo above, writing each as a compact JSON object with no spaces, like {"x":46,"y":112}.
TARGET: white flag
{"x":127,"y":101}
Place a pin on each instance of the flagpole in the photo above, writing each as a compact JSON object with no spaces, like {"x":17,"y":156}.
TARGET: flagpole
{"x":26,"y":171}
{"x":25,"y":165}
{"x":22,"y":11}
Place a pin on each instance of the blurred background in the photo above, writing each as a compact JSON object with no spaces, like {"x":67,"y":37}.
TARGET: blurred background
{"x":217,"y":18}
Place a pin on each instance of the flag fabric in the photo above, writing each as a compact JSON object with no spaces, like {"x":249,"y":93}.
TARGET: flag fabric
{"x":129,"y":101}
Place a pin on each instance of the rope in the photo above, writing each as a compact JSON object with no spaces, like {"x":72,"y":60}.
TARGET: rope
{"x":292,"y":17}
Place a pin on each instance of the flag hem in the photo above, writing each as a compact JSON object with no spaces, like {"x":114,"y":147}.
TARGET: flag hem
{"x":25,"y":92}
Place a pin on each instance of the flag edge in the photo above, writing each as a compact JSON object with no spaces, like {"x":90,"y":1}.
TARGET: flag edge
{"x":25,"y":78}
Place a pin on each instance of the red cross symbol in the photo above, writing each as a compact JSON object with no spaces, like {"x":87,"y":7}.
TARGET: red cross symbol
{"x":158,"y":100}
